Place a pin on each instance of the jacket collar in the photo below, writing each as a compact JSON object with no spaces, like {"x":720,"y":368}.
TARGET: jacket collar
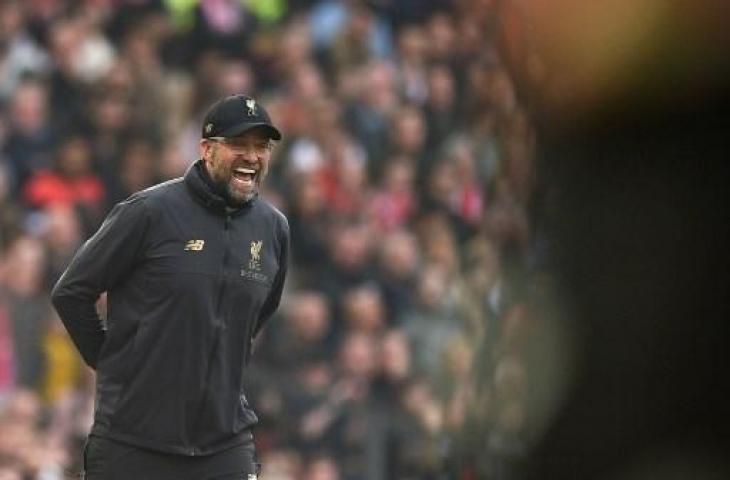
{"x":206,"y":192}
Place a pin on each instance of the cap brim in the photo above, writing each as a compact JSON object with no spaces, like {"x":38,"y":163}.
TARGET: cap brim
{"x":272,"y":131}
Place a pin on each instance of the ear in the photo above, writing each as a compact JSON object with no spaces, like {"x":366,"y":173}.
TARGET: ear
{"x":205,"y":147}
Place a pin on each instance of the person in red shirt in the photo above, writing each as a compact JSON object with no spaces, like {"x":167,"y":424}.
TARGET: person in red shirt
{"x":71,"y":181}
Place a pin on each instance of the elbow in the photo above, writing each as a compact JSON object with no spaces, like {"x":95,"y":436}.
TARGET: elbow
{"x":58,"y":294}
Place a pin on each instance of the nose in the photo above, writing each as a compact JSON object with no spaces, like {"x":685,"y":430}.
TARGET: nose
{"x":248,"y":151}
{"x":247,"y":154}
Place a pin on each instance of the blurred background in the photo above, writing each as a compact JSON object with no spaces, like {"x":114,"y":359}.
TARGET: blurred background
{"x":508,"y":253}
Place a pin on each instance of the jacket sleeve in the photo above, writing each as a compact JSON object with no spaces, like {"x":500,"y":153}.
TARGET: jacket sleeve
{"x":99,"y":265}
{"x":272,"y":301}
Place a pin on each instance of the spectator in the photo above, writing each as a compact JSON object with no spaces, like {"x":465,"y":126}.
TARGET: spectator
{"x":411,"y":66}
{"x":138,"y":169}
{"x":20,"y":54}
{"x":281,"y":464}
{"x":362,"y":38}
{"x":79,"y":55}
{"x":309,"y":221}
{"x":442,"y":36}
{"x":467,"y":202}
{"x":395,"y":372}
{"x":110,"y":116}
{"x":441,"y":109}
{"x":368,"y":114}
{"x":65,"y":368}
{"x":408,"y":134}
{"x":363,"y":310}
{"x":398,"y":267}
{"x":31,"y":136}
{"x":27,"y":304}
{"x":11,"y":212}
{"x":321,"y":468}
{"x":432,"y":322}
{"x":394,"y":204}
{"x":70,"y":182}
{"x":344,"y":176}
{"x":304,"y":334}
{"x":350,"y":251}
{"x":62,"y":232}
{"x":413,"y":442}
{"x":340,"y":422}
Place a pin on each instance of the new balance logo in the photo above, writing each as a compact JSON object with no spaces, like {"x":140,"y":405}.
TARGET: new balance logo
{"x":195,"y":245}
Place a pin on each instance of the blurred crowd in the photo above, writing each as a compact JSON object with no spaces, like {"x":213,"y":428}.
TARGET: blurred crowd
{"x":406,"y":172}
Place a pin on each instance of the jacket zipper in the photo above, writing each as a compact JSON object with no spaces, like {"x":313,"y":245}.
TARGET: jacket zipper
{"x":218,"y":312}
{"x":221,"y":291}
{"x":226,"y":241}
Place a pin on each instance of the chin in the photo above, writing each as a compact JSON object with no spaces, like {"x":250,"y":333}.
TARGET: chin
{"x":241,"y":198}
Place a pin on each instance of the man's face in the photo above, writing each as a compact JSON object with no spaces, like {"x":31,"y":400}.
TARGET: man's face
{"x":239,"y":163}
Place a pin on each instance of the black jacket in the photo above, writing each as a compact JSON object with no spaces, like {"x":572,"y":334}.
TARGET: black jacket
{"x":189,"y":285}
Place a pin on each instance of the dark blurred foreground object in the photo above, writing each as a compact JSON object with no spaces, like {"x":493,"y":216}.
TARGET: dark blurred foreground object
{"x":631,"y":102}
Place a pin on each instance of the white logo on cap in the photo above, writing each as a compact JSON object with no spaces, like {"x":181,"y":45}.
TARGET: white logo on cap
{"x":208,"y":128}
{"x":251,"y":105}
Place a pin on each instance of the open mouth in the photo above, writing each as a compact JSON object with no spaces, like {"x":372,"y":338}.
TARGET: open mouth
{"x":244,"y":174}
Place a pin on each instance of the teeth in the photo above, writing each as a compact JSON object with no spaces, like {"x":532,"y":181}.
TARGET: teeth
{"x":246,"y":170}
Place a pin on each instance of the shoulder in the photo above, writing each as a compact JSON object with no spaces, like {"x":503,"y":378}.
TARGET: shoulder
{"x":157,"y":194}
{"x":269,"y":211}
{"x":146,"y":202}
{"x":160,"y":191}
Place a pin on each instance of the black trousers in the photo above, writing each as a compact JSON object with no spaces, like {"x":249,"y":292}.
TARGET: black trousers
{"x":105,"y":459}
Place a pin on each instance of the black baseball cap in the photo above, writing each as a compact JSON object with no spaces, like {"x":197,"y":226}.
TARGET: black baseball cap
{"x":236,"y":114}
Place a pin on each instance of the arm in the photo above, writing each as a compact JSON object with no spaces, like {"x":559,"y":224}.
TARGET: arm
{"x":272,"y":301}
{"x":98,"y":265}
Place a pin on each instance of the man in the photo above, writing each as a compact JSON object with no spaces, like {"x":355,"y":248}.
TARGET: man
{"x":192,"y":268}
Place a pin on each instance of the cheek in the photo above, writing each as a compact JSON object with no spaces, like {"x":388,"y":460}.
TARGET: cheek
{"x":264,"y":161}
{"x":220,"y":162}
